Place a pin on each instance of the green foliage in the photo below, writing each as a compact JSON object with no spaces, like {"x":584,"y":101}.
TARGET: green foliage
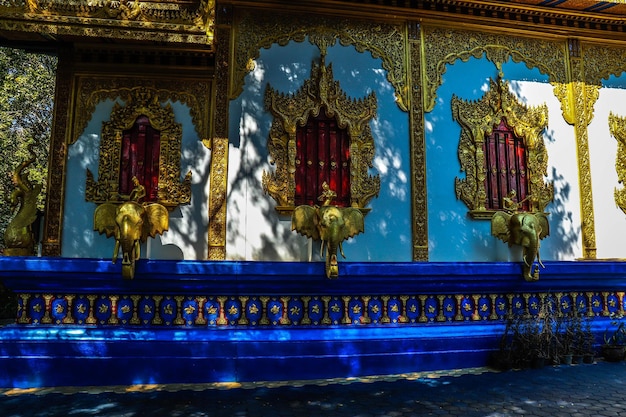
{"x":27,"y":84}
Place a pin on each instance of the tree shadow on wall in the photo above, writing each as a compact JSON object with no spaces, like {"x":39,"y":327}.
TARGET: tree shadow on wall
{"x":564,"y":233}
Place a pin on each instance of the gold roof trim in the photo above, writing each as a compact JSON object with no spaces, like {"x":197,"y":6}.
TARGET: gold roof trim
{"x":180,"y":21}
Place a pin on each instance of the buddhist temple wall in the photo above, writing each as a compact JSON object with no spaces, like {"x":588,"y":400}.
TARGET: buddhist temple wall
{"x":453,"y":235}
{"x":188,"y":224}
{"x":255,"y":230}
{"x":610,"y":221}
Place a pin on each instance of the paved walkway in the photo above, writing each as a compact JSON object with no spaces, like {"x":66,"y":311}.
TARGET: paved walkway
{"x":577,"y":391}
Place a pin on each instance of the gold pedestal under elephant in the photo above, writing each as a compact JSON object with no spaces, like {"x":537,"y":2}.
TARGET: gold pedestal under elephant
{"x":130,"y":223}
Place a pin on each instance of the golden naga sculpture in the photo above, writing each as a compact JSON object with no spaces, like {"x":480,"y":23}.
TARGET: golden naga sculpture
{"x":521,"y":228}
{"x":19,"y":238}
{"x":130,"y":223}
{"x":330,"y":224}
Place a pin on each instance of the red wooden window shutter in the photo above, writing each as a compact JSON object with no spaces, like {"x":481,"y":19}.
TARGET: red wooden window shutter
{"x":140,"y":158}
{"x":505,"y":163}
{"x":322,"y":155}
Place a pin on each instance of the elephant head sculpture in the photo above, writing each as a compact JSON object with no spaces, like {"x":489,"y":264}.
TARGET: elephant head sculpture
{"x":330,"y":224}
{"x":130,"y":223}
{"x":524,"y":229}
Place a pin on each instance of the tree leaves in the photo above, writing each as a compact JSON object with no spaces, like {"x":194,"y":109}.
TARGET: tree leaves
{"x":27,"y":84}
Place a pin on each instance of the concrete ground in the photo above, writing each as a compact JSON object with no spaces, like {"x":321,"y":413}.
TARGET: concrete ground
{"x":596,"y":390}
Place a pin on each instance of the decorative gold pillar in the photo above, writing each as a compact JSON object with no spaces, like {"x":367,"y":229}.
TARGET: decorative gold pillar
{"x":417,"y":144}
{"x":219,"y":141}
{"x":577,"y":100}
{"x":57,"y":159}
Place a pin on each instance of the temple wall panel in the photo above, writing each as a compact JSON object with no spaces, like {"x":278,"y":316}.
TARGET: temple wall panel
{"x":188,"y":225}
{"x":255,"y":230}
{"x":610,"y":220}
{"x":453,"y":235}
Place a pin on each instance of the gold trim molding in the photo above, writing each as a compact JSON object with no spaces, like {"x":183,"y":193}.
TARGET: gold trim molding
{"x":617,"y":127}
{"x":477,"y":119}
{"x":446,"y":46}
{"x":293,"y":110}
{"x":140,"y":101}
{"x":260,"y":29}
{"x":156,"y":21}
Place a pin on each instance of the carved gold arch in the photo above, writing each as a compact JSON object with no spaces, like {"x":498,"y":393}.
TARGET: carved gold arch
{"x":617,"y":127}
{"x":261,"y":29}
{"x":477,"y":119}
{"x":293,"y":110}
{"x":140,"y":101}
{"x":444,"y":46}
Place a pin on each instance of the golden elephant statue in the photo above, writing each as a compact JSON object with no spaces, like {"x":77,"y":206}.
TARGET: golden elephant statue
{"x":130,"y":223}
{"x":330,"y":224}
{"x":524,"y":229}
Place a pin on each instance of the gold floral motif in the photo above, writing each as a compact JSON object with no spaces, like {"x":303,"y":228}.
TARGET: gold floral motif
{"x":418,"y":149}
{"x":263,"y":29}
{"x":217,"y":199}
{"x":602,"y":61}
{"x":617,"y":127}
{"x":477,"y":119}
{"x":577,"y":99}
{"x":445,"y":46}
{"x":163,"y":21}
{"x":140,"y":101}
{"x":292,"y":110}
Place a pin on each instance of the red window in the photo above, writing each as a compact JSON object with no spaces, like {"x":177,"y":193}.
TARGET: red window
{"x":322,"y":155}
{"x":140,"y":158}
{"x":505,"y":163}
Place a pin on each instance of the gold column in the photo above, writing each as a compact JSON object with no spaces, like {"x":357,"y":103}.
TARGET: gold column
{"x":577,"y":100}
{"x":219,"y":142}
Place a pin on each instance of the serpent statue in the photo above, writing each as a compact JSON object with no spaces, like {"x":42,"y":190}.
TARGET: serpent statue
{"x":19,"y":238}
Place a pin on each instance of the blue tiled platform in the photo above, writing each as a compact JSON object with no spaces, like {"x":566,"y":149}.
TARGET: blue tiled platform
{"x":80,"y":323}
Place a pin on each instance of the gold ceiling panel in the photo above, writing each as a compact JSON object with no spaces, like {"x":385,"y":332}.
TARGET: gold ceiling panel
{"x":174,"y":21}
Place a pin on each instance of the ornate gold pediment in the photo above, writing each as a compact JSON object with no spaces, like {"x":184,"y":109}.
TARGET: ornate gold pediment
{"x":186,"y":21}
{"x":319,"y":92}
{"x":479,"y":118}
{"x":141,"y":101}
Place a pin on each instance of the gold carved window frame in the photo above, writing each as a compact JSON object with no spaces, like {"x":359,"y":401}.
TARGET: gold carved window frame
{"x":293,"y":110}
{"x":478,"y":119}
{"x":140,"y":101}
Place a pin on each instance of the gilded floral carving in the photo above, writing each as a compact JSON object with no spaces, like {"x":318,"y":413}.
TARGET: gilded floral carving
{"x":446,"y":46}
{"x":617,"y":127}
{"x":164,"y":21}
{"x":293,"y":110}
{"x":93,"y":90}
{"x":140,"y":101}
{"x":263,"y":29}
{"x":478,"y":119}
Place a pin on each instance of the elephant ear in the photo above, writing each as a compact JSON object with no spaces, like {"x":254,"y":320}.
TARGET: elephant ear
{"x":545,"y":225}
{"x":353,"y":222}
{"x":304,"y":220}
{"x":157,"y":220}
{"x":104,"y":219}
{"x":500,"y":226}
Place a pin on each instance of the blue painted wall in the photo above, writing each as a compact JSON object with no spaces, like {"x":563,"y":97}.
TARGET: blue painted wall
{"x":187,"y":236}
{"x":255,"y":230}
{"x":453,"y":235}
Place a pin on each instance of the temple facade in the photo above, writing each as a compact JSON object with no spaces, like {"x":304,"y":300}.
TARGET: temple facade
{"x":293,"y":190}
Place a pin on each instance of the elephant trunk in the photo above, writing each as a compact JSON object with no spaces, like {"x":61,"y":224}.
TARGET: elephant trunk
{"x":332,"y":268}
